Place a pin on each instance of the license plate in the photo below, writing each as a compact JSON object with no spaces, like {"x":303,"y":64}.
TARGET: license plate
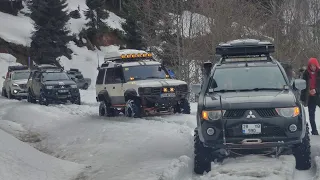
{"x":63,"y":91}
{"x":251,"y":128}
{"x":168,"y":95}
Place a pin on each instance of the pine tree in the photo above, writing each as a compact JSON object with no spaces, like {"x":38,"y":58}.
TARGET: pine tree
{"x":96,"y":14}
{"x":134,"y":38}
{"x":50,"y":38}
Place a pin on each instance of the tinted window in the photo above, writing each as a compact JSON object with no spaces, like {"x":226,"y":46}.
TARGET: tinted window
{"x":143,"y":72}
{"x":109,"y":76}
{"x":54,"y":76}
{"x":20,"y":75}
{"x":249,"y":78}
{"x":100,"y":76}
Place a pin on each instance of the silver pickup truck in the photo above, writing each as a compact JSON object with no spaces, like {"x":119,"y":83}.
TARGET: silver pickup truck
{"x":76,"y":76}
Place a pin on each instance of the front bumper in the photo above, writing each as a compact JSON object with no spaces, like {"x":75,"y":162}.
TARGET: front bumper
{"x":274,"y":133}
{"x":159,"y":102}
{"x":18,"y":92}
{"x":62,"y":94}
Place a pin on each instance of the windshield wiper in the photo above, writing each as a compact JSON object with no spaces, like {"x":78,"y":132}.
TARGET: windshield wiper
{"x":261,"y":89}
{"x":226,"y":90}
{"x":153,"y":77}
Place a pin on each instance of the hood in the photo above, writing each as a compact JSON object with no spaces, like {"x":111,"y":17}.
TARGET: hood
{"x":20,"y":81}
{"x":313,"y":61}
{"x":65,"y":82}
{"x":251,"y":100}
{"x":158,"y":82}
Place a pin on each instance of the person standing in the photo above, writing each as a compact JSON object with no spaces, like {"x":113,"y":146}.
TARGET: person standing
{"x":310,"y":95}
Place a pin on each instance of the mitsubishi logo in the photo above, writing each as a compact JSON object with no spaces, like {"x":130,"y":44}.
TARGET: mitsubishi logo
{"x":250,"y":115}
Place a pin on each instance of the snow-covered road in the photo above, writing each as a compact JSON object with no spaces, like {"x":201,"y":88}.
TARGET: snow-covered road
{"x":125,"y":149}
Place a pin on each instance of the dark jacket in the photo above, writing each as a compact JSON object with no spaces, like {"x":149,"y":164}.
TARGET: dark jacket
{"x":304,"y":97}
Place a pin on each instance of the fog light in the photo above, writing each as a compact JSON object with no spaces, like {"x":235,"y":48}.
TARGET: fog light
{"x":210,"y":131}
{"x":293,"y":128}
{"x":15,"y":91}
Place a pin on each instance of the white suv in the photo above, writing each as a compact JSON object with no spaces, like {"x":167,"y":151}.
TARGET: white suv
{"x":132,"y":82}
{"x":15,"y":84}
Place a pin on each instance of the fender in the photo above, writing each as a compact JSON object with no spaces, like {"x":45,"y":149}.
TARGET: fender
{"x":103,"y":95}
{"x":130,"y":93}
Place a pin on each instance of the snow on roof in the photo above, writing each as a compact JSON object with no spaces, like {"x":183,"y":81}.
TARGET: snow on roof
{"x":118,"y":53}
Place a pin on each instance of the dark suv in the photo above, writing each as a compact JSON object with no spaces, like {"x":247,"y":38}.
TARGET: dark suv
{"x":247,"y":105}
{"x":52,"y":85}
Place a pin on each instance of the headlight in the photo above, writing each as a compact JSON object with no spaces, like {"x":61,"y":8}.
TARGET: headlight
{"x":49,"y":87}
{"x":16,"y":85}
{"x":212,"y":115}
{"x":74,"y":86}
{"x":288,"y":112}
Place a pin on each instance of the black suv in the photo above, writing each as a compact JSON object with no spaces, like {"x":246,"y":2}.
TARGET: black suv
{"x":52,"y":85}
{"x":247,"y":105}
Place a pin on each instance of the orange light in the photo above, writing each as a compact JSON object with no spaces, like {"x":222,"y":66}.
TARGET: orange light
{"x":131,"y":78}
{"x":205,"y":115}
{"x":296,"y":111}
{"x":133,"y":55}
{"x":149,"y":55}
{"x":138,"y":55}
{"x":128,"y":55}
{"x":167,"y":76}
{"x":123,"y":56}
{"x":165,"y":89}
{"x":171,"y":89}
{"x":144,"y":55}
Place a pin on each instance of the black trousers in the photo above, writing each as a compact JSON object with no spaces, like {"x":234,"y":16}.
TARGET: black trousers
{"x":312,"y":104}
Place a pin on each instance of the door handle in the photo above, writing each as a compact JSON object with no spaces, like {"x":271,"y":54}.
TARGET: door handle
{"x":104,"y":88}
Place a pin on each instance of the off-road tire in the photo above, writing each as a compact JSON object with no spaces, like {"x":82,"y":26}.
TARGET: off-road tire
{"x":105,"y":110}
{"x":302,"y":153}
{"x":133,"y":109}
{"x":183,"y":107}
{"x":76,"y":100}
{"x":30,"y":97}
{"x":3,"y":92}
{"x":43,"y":100}
{"x":202,"y":155}
{"x":10,"y":96}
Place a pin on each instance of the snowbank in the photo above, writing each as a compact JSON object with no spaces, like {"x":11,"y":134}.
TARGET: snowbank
{"x":16,"y":29}
{"x":21,"y":161}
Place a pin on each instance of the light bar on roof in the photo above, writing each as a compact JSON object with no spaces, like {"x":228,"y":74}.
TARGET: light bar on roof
{"x":243,"y":59}
{"x":139,"y":55}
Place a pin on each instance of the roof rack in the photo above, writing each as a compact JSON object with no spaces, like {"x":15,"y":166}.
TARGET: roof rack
{"x":74,"y":70}
{"x":17,"y":68}
{"x":243,"y":47}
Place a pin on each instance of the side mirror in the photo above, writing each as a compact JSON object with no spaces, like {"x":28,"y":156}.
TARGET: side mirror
{"x":159,"y":68}
{"x":213,"y":84}
{"x":3,"y":77}
{"x":196,"y":88}
{"x":299,"y":84}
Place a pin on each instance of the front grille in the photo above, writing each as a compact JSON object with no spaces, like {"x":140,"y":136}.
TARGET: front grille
{"x":23,"y":86}
{"x":267,"y":112}
{"x":156,"y":90}
{"x":62,"y":86}
{"x":234,"y":113}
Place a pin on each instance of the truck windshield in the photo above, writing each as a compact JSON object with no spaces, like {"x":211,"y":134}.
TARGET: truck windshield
{"x":144,"y":72}
{"x":250,"y":78}
{"x":55,"y":76}
{"x":20,"y":75}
